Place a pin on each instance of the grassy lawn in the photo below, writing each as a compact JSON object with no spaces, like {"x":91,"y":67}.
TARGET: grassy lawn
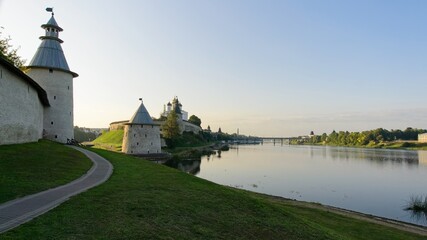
{"x":143,"y":200}
{"x":111,"y":140}
{"x":34,"y":167}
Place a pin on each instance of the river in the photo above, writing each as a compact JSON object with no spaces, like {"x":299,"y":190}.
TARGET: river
{"x":373,"y":181}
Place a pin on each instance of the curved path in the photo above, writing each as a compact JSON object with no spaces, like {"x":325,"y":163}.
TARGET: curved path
{"x":19,"y":211}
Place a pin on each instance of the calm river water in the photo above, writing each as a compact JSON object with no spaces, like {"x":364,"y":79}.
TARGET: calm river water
{"x":372,"y":181}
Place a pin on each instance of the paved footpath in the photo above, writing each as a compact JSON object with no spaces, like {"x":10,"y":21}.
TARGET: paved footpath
{"x":19,"y":211}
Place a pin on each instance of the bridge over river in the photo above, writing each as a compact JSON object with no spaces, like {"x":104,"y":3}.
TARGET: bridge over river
{"x":277,"y":140}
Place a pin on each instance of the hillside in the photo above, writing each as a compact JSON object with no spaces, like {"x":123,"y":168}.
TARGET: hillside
{"x":111,"y":140}
{"x":33,"y":167}
{"x":143,"y":200}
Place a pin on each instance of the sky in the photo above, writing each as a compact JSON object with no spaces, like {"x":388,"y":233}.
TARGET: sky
{"x":268,"y":68}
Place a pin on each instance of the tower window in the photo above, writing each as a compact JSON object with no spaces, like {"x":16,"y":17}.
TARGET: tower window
{"x":56,"y":136}
{"x":134,"y":135}
{"x":50,"y":70}
{"x":51,"y":123}
{"x":68,"y":87}
{"x":54,"y":97}
{"x":145,"y":135}
{"x":137,"y":143}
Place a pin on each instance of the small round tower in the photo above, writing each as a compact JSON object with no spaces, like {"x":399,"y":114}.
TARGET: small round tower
{"x":141,"y":134}
{"x":50,"y":70}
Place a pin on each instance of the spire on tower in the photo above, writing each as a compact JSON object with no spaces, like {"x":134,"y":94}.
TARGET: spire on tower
{"x":49,"y":54}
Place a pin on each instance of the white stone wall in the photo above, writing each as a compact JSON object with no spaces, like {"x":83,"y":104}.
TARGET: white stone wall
{"x":21,"y":111}
{"x":58,"y":119}
{"x":141,"y":139}
{"x":184,"y":126}
{"x":118,"y":125}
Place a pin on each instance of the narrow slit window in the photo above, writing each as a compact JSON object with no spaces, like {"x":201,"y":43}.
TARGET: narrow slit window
{"x":50,"y":70}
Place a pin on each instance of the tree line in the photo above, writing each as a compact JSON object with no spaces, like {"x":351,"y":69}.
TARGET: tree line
{"x":370,"y":137}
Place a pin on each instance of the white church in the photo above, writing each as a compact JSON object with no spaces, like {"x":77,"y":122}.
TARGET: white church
{"x":38,"y":103}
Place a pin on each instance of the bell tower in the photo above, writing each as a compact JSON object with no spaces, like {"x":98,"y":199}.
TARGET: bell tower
{"x":50,"y":70}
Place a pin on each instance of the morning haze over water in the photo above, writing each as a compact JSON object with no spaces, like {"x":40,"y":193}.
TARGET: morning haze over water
{"x":372,"y":181}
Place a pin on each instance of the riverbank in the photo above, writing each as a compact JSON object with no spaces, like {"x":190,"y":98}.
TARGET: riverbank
{"x":198,"y":151}
{"x":143,"y":200}
{"x":404,"y":226}
{"x":398,"y":145}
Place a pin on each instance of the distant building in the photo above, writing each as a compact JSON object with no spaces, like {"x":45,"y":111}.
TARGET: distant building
{"x":127,"y":125}
{"x":141,"y":134}
{"x":177,"y":107}
{"x":184,"y":125}
{"x":422,"y":138}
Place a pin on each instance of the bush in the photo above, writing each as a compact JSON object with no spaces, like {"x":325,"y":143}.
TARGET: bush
{"x":407,"y":144}
{"x":417,"y":204}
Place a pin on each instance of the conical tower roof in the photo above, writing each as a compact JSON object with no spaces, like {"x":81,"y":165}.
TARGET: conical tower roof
{"x":50,"y":54}
{"x":141,"y":116}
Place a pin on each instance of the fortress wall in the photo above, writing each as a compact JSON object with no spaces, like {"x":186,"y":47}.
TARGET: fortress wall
{"x":141,"y":139}
{"x":184,"y":126}
{"x":21,"y":111}
{"x":118,"y":125}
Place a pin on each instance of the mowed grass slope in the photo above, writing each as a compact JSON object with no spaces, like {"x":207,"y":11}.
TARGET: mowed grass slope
{"x":111,"y":140}
{"x":143,"y":200}
{"x":33,"y":167}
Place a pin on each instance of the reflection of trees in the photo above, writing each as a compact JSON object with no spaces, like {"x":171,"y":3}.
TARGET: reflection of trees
{"x":191,"y":166}
{"x":380,"y":156}
{"x":419,"y":216}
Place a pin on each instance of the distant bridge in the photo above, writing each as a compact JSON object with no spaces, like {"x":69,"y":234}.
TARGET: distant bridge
{"x":274,"y":140}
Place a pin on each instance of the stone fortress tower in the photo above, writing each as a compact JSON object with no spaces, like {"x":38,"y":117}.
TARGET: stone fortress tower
{"x":50,"y":70}
{"x":141,"y":134}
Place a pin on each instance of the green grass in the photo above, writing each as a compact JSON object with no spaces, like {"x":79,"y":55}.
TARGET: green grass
{"x":33,"y":167}
{"x":143,"y":200}
{"x":111,"y":140}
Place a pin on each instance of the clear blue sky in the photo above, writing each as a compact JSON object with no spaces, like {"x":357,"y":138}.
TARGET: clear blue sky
{"x":270,"y":68}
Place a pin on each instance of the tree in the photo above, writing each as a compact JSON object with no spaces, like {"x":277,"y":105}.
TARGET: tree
{"x":195,"y":120}
{"x":170,"y":128}
{"x":8,"y":53}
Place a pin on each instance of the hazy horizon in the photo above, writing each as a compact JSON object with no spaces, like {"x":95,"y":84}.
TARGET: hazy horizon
{"x":276,"y":68}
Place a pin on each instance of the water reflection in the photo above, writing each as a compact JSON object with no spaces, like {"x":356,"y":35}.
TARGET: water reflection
{"x":422,"y":157}
{"x":379,"y":156}
{"x":372,"y":181}
{"x":191,"y":166}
